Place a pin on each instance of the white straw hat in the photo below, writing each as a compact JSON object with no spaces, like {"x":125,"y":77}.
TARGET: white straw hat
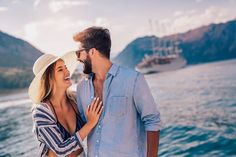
{"x":40,"y":66}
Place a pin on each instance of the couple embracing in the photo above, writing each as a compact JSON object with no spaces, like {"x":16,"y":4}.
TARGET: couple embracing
{"x":111,"y":114}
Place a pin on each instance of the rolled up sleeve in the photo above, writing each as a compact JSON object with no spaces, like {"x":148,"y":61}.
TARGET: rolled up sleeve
{"x":145,"y":105}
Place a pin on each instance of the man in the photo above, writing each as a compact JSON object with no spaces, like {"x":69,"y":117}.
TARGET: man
{"x":130,"y":122}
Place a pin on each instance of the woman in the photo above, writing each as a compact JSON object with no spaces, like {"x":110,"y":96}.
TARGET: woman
{"x":57,"y":123}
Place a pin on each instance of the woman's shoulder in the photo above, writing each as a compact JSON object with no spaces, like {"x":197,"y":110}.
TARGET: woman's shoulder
{"x":40,"y":107}
{"x":42,"y":110}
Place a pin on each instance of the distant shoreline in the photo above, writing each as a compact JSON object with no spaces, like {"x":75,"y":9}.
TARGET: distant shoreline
{"x":22,"y":90}
{"x":4,"y":92}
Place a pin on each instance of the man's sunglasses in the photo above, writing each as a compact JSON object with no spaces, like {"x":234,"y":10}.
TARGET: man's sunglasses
{"x":78,"y":51}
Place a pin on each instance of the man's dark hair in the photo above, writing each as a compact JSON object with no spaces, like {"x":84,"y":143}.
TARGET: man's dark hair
{"x":95,"y":37}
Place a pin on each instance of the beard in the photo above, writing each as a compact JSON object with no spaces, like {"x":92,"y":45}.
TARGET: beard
{"x":87,"y":66}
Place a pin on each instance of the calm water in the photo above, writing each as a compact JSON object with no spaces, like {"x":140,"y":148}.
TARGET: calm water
{"x":197,"y":103}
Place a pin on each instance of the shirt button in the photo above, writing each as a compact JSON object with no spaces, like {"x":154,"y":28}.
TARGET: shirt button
{"x":97,"y":141}
{"x":96,"y":155}
{"x":99,"y":126}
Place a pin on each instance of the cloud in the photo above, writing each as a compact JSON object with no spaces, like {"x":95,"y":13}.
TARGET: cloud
{"x":232,"y":1}
{"x":100,"y":21}
{"x":58,"y":5}
{"x":55,"y":35}
{"x":183,"y":21}
{"x":31,"y":31}
{"x":52,"y":34}
{"x":64,"y":24}
{"x":3,"y":9}
{"x":198,"y":1}
{"x":178,"y":13}
{"x":15,"y":1}
{"x":36,"y":3}
{"x":36,"y":29}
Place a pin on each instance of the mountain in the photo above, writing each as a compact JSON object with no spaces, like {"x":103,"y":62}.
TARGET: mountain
{"x":16,"y":52}
{"x":16,"y":61}
{"x":204,"y":44}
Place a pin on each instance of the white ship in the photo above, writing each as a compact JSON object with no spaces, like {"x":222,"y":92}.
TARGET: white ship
{"x":164,"y":58}
{"x":166,"y":54}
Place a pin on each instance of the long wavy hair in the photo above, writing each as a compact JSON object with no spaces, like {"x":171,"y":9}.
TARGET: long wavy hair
{"x":47,"y":83}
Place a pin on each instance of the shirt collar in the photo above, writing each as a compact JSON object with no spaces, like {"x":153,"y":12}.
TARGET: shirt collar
{"x":113,"y":70}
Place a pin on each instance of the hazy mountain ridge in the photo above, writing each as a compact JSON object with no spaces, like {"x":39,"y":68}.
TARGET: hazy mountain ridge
{"x":16,"y":61}
{"x":204,"y":44}
{"x":16,"y":52}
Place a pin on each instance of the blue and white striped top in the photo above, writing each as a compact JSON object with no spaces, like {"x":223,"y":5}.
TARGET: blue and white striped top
{"x":51,"y":135}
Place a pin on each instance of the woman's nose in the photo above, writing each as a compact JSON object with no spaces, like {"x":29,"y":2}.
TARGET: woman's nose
{"x":67,"y":72}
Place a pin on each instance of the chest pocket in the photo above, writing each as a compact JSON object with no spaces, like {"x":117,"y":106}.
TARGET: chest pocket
{"x":118,"y":106}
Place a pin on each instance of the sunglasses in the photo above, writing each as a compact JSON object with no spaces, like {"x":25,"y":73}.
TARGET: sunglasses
{"x":79,"y":51}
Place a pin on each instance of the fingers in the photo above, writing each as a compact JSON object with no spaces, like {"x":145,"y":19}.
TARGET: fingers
{"x":90,"y":107}
{"x":94,"y":111}
{"x":99,"y":106}
{"x":95,"y":104}
{"x":100,"y":111}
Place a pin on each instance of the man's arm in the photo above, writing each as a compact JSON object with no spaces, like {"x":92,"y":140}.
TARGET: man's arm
{"x":152,"y":143}
{"x":149,"y":114}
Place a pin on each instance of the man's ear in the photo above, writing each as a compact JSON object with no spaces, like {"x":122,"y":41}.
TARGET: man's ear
{"x":91,"y":51}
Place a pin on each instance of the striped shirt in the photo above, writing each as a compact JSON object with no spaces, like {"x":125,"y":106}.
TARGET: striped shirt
{"x":50,"y":135}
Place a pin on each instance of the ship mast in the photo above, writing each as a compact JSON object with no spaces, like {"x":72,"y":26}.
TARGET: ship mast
{"x":153,"y":40}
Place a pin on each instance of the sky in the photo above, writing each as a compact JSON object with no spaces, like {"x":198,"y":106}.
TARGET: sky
{"x":50,"y":24}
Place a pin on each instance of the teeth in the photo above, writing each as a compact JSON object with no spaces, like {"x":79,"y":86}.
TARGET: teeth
{"x":67,"y":78}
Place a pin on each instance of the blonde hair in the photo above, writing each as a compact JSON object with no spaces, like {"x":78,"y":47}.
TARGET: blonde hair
{"x":46,"y":86}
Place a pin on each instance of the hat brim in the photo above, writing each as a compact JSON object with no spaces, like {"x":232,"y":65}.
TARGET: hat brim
{"x":71,"y":63}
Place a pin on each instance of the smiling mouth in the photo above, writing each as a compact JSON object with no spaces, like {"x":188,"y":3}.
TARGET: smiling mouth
{"x":67,"y":78}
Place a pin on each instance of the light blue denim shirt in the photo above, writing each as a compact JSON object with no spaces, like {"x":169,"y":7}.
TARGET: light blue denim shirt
{"x":129,"y":111}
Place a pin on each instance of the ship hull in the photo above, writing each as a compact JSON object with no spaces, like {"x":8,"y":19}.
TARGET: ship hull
{"x":175,"y":64}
